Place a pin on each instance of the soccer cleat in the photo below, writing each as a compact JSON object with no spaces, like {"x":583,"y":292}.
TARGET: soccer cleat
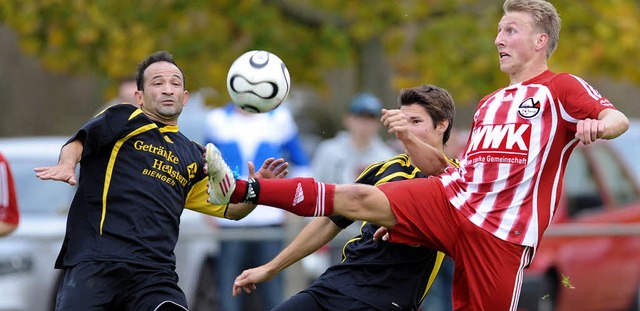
{"x":221,"y":179}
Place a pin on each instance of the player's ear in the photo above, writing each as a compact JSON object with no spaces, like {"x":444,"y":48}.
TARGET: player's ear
{"x":186,"y":98}
{"x":442,"y":126}
{"x":541,"y":41}
{"x":138,"y":96}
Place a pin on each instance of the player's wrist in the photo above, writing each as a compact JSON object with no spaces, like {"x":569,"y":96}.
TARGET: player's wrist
{"x":272,"y":269}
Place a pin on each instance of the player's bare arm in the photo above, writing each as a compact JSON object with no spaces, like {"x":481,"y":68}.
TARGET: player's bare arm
{"x":271,"y":168}
{"x":65,"y":169}
{"x":6,"y":228}
{"x":313,"y":236}
{"x":611,"y":123}
{"x":428,"y":159}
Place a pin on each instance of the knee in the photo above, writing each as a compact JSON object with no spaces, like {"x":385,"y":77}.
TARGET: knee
{"x":364,"y":202}
{"x":354,"y":195}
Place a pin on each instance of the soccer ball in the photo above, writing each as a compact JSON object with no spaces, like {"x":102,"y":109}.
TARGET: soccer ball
{"x":258,"y":81}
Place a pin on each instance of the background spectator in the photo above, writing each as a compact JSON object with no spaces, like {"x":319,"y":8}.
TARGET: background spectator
{"x":242,"y":137}
{"x":126,"y":93}
{"x":342,"y":158}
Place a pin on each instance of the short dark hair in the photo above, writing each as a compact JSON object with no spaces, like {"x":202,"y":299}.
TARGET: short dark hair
{"x":160,"y":56}
{"x":437,"y":101}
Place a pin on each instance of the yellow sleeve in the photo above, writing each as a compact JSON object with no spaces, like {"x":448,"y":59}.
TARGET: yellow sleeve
{"x":197,"y":201}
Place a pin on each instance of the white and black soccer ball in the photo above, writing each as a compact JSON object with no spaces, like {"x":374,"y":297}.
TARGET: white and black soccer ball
{"x":258,"y":81}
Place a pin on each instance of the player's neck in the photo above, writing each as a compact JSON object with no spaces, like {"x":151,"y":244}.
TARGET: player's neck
{"x":528,"y":73}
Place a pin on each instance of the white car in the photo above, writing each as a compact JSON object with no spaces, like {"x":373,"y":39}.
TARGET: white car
{"x":28,"y":280}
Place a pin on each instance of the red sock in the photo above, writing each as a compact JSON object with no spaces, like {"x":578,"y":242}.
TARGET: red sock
{"x":301,"y":196}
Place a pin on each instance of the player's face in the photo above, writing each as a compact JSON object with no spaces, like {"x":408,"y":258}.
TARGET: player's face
{"x":515,"y":42}
{"x":164,"y":94}
{"x":421,"y":125}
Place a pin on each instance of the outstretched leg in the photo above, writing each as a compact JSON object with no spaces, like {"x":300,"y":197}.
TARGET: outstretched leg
{"x":307,"y":197}
{"x":301,"y":196}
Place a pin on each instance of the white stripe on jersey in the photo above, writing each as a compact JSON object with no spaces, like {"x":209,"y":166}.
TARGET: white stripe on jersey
{"x":533,"y":231}
{"x":4,"y":186}
{"x":460,"y":198}
{"x":566,"y":116}
{"x":592,"y":92}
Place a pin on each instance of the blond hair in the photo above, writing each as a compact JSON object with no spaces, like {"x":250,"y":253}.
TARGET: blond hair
{"x":545,"y":18}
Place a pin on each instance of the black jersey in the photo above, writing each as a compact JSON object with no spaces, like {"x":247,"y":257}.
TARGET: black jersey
{"x":136,"y":176}
{"x":389,"y":276}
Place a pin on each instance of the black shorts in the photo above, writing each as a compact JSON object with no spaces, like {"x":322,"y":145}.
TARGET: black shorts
{"x":319,"y":298}
{"x":119,"y":286}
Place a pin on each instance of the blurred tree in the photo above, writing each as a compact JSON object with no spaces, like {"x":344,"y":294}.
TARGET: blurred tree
{"x":385,"y":44}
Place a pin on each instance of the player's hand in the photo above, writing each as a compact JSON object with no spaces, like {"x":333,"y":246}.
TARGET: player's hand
{"x":589,"y":130}
{"x":59,"y":172}
{"x":249,"y":278}
{"x":271,"y":168}
{"x":383,"y":233}
{"x":396,"y":123}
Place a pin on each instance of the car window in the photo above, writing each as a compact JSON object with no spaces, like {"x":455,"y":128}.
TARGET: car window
{"x":37,"y":196}
{"x":628,"y":147}
{"x":580,"y":186}
{"x":618,"y":182}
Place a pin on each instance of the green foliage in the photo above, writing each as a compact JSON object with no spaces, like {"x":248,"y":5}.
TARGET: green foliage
{"x":600,"y":38}
{"x":455,"y":49}
{"x":566,"y":283}
{"x":449,"y":43}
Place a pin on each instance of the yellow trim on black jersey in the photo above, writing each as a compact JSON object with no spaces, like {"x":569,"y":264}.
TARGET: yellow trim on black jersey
{"x":197,"y":200}
{"x":112,"y":161}
{"x":405,"y":161}
{"x":454,"y":162}
{"x":434,"y":273}
{"x":169,"y":129}
{"x":440,"y":255}
{"x":370,"y":167}
{"x":135,"y":113}
{"x":103,"y":110}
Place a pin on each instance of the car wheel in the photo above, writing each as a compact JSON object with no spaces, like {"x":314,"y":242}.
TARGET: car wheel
{"x":207,"y":291}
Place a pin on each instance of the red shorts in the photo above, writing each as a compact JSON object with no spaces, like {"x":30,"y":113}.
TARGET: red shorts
{"x":488,"y":270}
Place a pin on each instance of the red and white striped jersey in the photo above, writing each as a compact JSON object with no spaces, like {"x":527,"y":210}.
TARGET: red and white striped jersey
{"x":9,"y":212}
{"x":510,"y":178}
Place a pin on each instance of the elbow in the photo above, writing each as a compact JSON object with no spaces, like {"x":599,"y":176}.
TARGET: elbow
{"x":616,"y":123}
{"x":6,"y":229}
{"x":233,"y":217}
{"x":238,"y":211}
{"x":624,"y":125}
{"x":444,"y":163}
{"x":439,"y":165}
{"x":618,"y":129}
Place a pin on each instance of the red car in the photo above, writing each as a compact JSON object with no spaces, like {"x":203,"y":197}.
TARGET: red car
{"x":589,"y":257}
